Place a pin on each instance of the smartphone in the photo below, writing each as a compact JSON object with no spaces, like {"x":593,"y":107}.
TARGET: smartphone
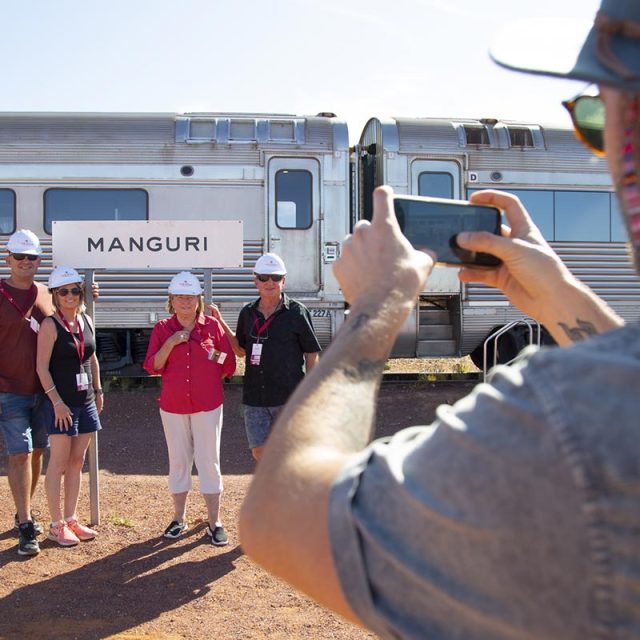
{"x":434,"y":223}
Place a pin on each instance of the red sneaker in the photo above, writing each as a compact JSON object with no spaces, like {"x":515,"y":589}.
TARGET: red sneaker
{"x":60,"y":533}
{"x":83,"y":533}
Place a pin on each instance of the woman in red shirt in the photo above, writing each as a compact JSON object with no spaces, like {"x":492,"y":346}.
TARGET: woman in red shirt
{"x":192,"y":354}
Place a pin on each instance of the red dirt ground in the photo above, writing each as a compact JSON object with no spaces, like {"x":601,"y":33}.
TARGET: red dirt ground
{"x":130,"y":582}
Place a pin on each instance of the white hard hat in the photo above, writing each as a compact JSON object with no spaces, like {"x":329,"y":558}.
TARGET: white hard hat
{"x":270,"y":263}
{"x":24,"y":241}
{"x":63,"y":275}
{"x":185,"y":284}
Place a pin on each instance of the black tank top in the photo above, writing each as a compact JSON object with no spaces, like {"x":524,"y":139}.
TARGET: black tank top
{"x":64,"y":364}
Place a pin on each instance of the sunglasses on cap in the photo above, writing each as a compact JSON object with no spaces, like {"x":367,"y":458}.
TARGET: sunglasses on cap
{"x":587,"y":115}
{"x":22,"y":256}
{"x":63,"y":291}
{"x":265,"y":277}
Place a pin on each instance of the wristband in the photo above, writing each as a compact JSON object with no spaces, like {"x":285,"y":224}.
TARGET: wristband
{"x":50,"y":389}
{"x":98,"y":392}
{"x":55,"y":404}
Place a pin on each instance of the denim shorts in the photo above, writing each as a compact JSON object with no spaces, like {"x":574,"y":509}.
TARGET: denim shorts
{"x":22,"y":422}
{"x":258,"y":422}
{"x":85,"y":420}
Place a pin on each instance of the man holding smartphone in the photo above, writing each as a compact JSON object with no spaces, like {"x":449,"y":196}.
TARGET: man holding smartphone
{"x":275,"y":336}
{"x":515,"y":514}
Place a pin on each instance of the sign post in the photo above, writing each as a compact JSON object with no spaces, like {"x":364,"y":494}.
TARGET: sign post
{"x":94,"y":485}
{"x":158,"y":244}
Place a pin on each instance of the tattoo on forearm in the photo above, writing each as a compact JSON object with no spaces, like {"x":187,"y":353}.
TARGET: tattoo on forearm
{"x":359,"y":321}
{"x":580,"y":332}
{"x":364,"y":370}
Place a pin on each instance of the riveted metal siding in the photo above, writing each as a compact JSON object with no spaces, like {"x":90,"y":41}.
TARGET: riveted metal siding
{"x":604,"y":266}
{"x":131,"y":139}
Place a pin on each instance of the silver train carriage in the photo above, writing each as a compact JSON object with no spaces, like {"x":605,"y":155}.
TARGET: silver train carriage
{"x":566,"y":189}
{"x":286,"y":177}
{"x":298,"y":189}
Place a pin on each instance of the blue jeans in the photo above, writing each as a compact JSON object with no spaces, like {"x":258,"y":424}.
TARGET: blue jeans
{"x":258,"y":422}
{"x":22,"y":422}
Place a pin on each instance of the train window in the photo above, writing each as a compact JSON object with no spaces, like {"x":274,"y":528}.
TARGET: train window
{"x":94,"y":204}
{"x":618,"y":230}
{"x":476,"y":134}
{"x":293,"y":199}
{"x":435,"y":184}
{"x":7,"y":211}
{"x":520,"y":137}
{"x":582,"y":215}
{"x":539,"y":204}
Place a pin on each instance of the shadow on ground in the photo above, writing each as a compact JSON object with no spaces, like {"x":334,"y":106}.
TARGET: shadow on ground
{"x":143,"y":584}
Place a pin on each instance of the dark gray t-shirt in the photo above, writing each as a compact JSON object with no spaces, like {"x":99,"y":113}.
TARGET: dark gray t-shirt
{"x":515,"y":515}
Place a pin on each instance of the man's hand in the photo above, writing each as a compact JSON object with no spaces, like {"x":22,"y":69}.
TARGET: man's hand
{"x":377,"y":261}
{"x":532,"y":275}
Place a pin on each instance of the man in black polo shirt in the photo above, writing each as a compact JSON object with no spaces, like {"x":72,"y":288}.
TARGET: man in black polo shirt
{"x":275,"y":336}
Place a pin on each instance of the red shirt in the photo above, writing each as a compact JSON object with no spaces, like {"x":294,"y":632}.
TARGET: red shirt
{"x":190,"y":381}
{"x":18,"y":340}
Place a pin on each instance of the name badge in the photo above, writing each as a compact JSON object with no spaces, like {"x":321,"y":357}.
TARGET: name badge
{"x":82,"y":381}
{"x":34,"y":324}
{"x":217,"y":356}
{"x":256,"y":353}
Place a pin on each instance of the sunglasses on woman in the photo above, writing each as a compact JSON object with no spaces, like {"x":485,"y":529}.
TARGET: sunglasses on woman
{"x":265,"y":277}
{"x":63,"y":291}
{"x":22,"y":256}
{"x":587,"y":115}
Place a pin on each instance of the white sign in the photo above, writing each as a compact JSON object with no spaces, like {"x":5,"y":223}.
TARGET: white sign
{"x":156,"y":244}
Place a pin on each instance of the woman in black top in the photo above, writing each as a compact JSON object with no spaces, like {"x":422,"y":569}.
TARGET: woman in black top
{"x":69,"y":373}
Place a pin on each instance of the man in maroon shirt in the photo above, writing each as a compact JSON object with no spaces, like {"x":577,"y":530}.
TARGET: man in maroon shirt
{"x":23,"y":305}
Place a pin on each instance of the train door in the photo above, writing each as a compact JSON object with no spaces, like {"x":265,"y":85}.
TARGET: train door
{"x":438,"y":179}
{"x":293,"y":221}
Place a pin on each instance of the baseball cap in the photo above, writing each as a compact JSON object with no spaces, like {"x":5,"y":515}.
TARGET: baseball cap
{"x":606,"y":51}
{"x":270,"y":263}
{"x":24,"y":241}
{"x":63,"y":275}
{"x":185,"y":284}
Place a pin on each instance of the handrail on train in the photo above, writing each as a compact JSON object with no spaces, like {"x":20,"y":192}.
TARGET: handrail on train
{"x":533,"y":328}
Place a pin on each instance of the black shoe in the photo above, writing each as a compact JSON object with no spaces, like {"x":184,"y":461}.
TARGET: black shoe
{"x":175,"y":529}
{"x":27,"y":545}
{"x":36,"y":525}
{"x":218,"y":536}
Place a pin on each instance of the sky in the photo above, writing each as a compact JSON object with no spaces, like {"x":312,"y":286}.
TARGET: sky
{"x":355,"y":58}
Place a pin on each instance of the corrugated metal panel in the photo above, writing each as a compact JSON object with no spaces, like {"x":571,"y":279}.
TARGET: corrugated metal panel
{"x":604,"y":266}
{"x":436,"y":136}
{"x":426,"y":135}
{"x":41,"y":129}
{"x":319,"y":132}
{"x":131,"y":139}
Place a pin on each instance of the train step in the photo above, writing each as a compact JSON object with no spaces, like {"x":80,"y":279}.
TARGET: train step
{"x":435,"y":332}
{"x":436,"y":348}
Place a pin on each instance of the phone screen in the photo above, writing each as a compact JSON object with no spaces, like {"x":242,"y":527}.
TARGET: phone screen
{"x":432,"y":223}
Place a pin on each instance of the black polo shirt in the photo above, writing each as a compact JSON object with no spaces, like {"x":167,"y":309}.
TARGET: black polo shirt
{"x":284,"y":342}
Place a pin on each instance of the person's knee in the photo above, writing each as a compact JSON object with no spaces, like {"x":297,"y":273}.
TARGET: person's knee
{"x":18,"y":460}
{"x":75,"y":461}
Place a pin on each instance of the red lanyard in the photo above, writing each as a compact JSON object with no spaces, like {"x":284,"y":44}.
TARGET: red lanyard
{"x":265,"y":325}
{"x":10,"y":298}
{"x":78,"y":344}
